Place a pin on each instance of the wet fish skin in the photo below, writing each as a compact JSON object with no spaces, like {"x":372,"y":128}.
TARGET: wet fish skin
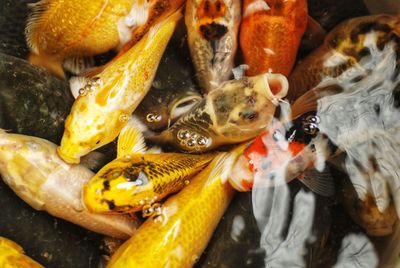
{"x":31,"y":167}
{"x":12,"y":255}
{"x":270,"y":34}
{"x":212,"y":27}
{"x":134,"y":181}
{"x":57,"y":30}
{"x":345,"y":41}
{"x":179,"y":235}
{"x":107,"y":101}
{"x":238,"y":111}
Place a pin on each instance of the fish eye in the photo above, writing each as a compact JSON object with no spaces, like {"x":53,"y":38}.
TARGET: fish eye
{"x":248,"y":115}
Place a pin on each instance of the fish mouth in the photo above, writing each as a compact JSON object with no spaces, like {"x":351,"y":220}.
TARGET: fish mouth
{"x":277,"y":85}
{"x":67,"y":157}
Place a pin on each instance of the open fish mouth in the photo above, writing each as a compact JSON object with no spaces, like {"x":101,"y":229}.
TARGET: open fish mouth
{"x":183,"y":106}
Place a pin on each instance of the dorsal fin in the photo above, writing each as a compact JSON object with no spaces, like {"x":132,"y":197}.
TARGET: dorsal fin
{"x":131,"y":139}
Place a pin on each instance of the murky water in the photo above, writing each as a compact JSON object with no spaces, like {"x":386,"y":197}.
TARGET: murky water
{"x":281,"y":223}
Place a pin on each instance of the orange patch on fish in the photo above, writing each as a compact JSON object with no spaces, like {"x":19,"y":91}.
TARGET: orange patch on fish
{"x":270,"y":38}
{"x":247,"y":184}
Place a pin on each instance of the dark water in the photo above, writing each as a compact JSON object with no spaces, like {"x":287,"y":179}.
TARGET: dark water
{"x":296,"y":229}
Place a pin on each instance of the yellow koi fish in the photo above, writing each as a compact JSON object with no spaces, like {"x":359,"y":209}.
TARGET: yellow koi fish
{"x":12,"y":255}
{"x":178,"y":236}
{"x":33,"y":170}
{"x":106,"y":102}
{"x":135,"y":181}
{"x":58,"y":30}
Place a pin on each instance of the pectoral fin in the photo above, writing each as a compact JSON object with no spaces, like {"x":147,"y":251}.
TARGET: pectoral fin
{"x":319,"y":182}
{"x":131,"y":139}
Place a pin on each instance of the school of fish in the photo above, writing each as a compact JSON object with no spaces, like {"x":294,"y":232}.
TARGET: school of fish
{"x":182,"y":152}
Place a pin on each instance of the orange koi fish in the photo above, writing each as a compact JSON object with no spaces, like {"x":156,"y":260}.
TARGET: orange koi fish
{"x":270,"y":34}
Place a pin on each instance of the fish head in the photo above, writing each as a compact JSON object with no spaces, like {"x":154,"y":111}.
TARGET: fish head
{"x":25,"y":165}
{"x":120,"y":186}
{"x":245,"y":107}
{"x":87,"y":128}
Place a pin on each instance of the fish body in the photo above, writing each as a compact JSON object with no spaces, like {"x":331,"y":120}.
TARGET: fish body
{"x":136,"y":181}
{"x":177,"y":237}
{"x":57,"y":30}
{"x":347,"y":46}
{"x":12,"y":255}
{"x":33,"y":170}
{"x":282,"y":153}
{"x":238,"y":111}
{"x":270,"y":34}
{"x":212,"y":27}
{"x":107,"y":101}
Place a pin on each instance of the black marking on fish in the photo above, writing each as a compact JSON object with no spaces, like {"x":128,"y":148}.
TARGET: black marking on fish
{"x":106,"y":185}
{"x":110,"y":203}
{"x":357,"y":79}
{"x":396,"y":96}
{"x":374,"y":164}
{"x":213,"y":31}
{"x":377,"y":108}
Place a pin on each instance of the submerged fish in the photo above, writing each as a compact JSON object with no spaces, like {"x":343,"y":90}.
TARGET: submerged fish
{"x":348,"y":46}
{"x":238,"y":111}
{"x":285,"y":152}
{"x":31,"y":167}
{"x":178,"y":236}
{"x":107,"y":101}
{"x":270,"y":34}
{"x":136,"y":181}
{"x":58,"y":30}
{"x":212,"y":27}
{"x":12,"y":255}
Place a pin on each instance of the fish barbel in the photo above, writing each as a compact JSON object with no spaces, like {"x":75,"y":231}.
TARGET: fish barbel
{"x":12,"y":255}
{"x":178,"y":236}
{"x":212,"y":27}
{"x":270,"y":34}
{"x":57,"y":30}
{"x":33,"y":170}
{"x":238,"y":111}
{"x":107,"y":101}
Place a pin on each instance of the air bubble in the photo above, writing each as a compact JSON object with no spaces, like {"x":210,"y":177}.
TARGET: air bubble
{"x":82,"y":92}
{"x":147,"y":211}
{"x":183,"y":134}
{"x":191,"y":143}
{"x":123,"y":118}
{"x":202,"y":141}
{"x":187,"y":182}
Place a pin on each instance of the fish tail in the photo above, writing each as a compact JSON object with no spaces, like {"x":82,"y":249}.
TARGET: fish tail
{"x":52,"y":64}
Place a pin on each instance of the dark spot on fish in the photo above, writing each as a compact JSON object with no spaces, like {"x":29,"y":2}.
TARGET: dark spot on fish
{"x":377,"y":108}
{"x":110,"y":204}
{"x":218,"y":6}
{"x":97,"y":142}
{"x":357,"y":79}
{"x":206,"y":6}
{"x":396,"y":96}
{"x":373,"y":163}
{"x":364,"y":52}
{"x":366,"y":27}
{"x":213,"y":31}
{"x":106,"y":185}
{"x":334,"y":42}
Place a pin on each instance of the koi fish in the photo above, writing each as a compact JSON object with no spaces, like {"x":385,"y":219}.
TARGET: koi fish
{"x":270,"y":34}
{"x":137,"y":180}
{"x":59,"y":30}
{"x":107,"y":101}
{"x":212,"y":27}
{"x":32,"y":169}
{"x":285,"y":152}
{"x":12,"y":255}
{"x":238,"y":111}
{"x":178,"y":236}
{"x":346,"y":47}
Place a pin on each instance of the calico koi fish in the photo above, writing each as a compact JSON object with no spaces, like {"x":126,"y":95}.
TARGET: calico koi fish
{"x":270,"y":34}
{"x":12,"y":255}
{"x":32,"y":169}
{"x":107,"y":101}
{"x":58,"y":30}
{"x":238,"y":111}
{"x":137,"y":180}
{"x":283,"y":153}
{"x":178,"y":236}
{"x":212,"y":27}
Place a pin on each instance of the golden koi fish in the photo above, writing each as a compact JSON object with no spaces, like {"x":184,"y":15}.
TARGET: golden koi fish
{"x":31,"y":167}
{"x":58,"y":30}
{"x":238,"y":111}
{"x":106,"y":102}
{"x":135,"y":181}
{"x":212,"y":27}
{"x":178,"y":236}
{"x":12,"y":255}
